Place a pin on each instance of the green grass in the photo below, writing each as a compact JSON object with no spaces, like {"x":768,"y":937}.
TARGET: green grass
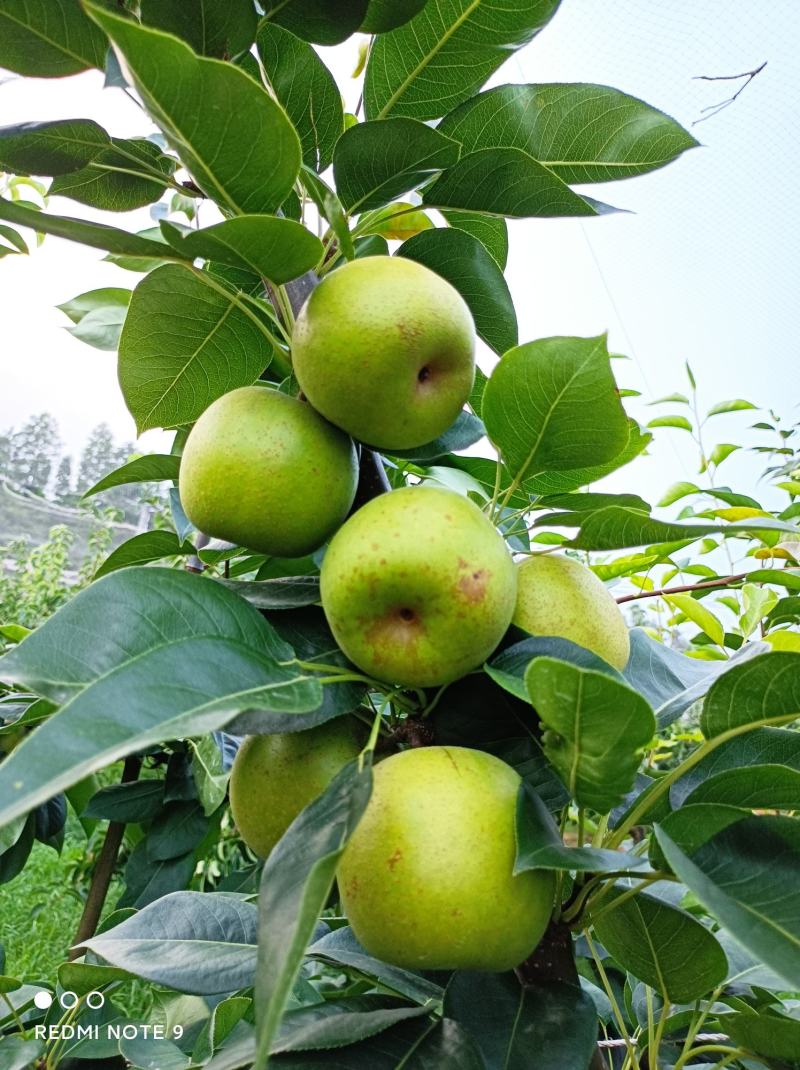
{"x":40,"y":909}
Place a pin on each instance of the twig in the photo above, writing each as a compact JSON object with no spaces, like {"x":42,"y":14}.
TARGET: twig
{"x":104,"y":870}
{"x":721,"y":581}
{"x":715,"y":109}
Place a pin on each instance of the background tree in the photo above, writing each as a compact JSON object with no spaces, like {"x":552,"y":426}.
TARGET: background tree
{"x":63,"y":491}
{"x":33,"y":452}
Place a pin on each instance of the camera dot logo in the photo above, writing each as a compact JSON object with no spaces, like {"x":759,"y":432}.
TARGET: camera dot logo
{"x":68,"y":1000}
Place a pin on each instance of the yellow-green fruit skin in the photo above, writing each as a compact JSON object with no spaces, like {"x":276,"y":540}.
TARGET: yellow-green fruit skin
{"x":559,"y":596}
{"x":426,"y":880}
{"x":418,"y":587}
{"x":385,"y":349}
{"x":263,"y":470}
{"x":275,"y":777}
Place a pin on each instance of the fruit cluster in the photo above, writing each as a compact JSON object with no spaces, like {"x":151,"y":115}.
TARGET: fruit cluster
{"x":418,"y":587}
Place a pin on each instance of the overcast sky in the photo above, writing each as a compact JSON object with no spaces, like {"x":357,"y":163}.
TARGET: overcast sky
{"x":704,"y":268}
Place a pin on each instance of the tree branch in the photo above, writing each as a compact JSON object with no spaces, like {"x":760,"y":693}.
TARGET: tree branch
{"x":104,"y":870}
{"x":715,"y":109}
{"x":721,"y":581}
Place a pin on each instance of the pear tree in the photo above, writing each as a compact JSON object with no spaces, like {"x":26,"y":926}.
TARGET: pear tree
{"x":388,"y":760}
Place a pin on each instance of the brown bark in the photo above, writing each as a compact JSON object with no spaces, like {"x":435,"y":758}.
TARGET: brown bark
{"x":104,"y":870}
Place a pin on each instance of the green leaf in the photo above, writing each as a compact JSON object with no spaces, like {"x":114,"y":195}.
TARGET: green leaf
{"x":517,"y":1027}
{"x":211,"y":780}
{"x":306,"y":89}
{"x":539,"y":845}
{"x":376,"y":162}
{"x":330,"y":208}
{"x":420,"y":1044}
{"x":700,"y":615}
{"x":106,"y":182}
{"x":436,"y":61}
{"x":142,"y":1052}
{"x":774,"y":1035}
{"x":552,"y":405}
{"x":772,"y":786}
{"x":470,"y":268}
{"x":383,"y":15}
{"x":194,"y":942}
{"x":736,"y":405}
{"x":680,"y":422}
{"x":618,"y":527}
{"x":147,"y":881}
{"x":18,"y":1052}
{"x":151,"y":468}
{"x":508,"y":668}
{"x":17,"y":243}
{"x":183,"y":345}
{"x":341,"y":948}
{"x":209,"y":142}
{"x":93,"y":300}
{"x":48,"y":38}
{"x":143,"y":655}
{"x":277,"y":249}
{"x":490,"y":231}
{"x":323,"y":22}
{"x":101,"y":328}
{"x":572,"y":479}
{"x":760,"y":747}
{"x":137,"y":802}
{"x":746,"y":877}
{"x":508,"y":182}
{"x":96,"y":235}
{"x":50,"y":148}
{"x":758,"y":602}
{"x":672,"y":682}
{"x":285,"y":592}
{"x":338,"y":1023}
{"x":583,"y":133}
{"x":144,"y":548}
{"x":177,"y":830}
{"x":85,"y":977}
{"x":211,"y":28}
{"x":692,"y":825}
{"x":596,"y":729}
{"x":465,"y":432}
{"x":661,"y":945}
{"x":676,"y":492}
{"x":765,"y":690}
{"x":722,"y":451}
{"x":295,"y":884}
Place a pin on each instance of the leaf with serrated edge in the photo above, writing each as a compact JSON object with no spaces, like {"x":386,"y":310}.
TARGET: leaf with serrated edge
{"x":184,"y":344}
{"x":171,"y":79}
{"x":143,"y":655}
{"x":442,"y":56}
{"x":746,"y":877}
{"x":583,"y":133}
{"x":552,"y":405}
{"x":597,"y":728}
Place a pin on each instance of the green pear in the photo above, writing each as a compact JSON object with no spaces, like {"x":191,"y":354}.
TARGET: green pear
{"x":559,"y":596}
{"x":275,"y":777}
{"x":418,"y":587}
{"x":383,"y":15}
{"x":385,"y":349}
{"x":263,"y":470}
{"x":426,"y":880}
